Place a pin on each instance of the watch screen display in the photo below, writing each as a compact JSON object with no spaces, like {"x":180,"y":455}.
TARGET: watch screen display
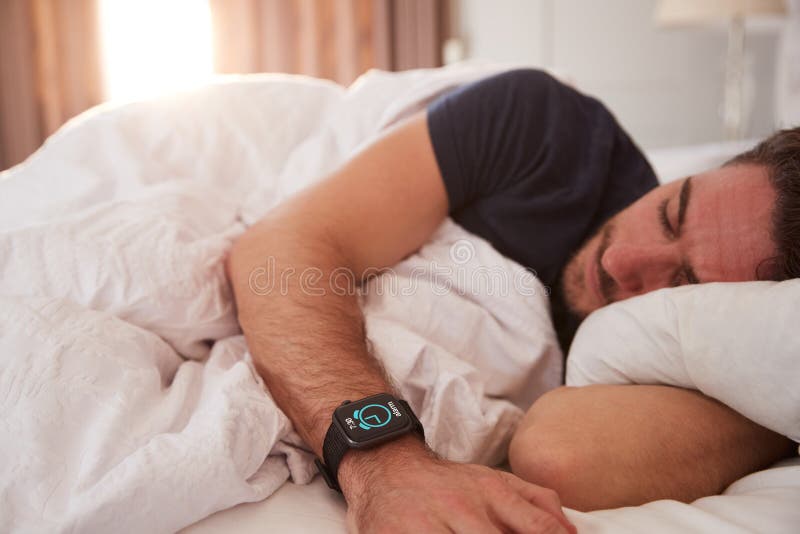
{"x":373,"y":417}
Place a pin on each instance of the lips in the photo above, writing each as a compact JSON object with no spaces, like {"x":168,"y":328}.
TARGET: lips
{"x":591,"y":275}
{"x":594,"y":278}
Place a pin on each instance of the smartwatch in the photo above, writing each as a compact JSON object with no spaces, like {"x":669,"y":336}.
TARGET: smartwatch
{"x":363,"y":424}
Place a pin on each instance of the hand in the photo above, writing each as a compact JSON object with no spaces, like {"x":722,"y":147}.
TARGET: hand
{"x":412,"y":492}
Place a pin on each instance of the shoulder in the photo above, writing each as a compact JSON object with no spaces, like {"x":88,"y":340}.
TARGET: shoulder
{"x":522,"y":83}
{"x":530,"y":78}
{"x":524,"y":96}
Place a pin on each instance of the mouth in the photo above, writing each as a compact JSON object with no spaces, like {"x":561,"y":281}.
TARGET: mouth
{"x":591,"y":274}
{"x":596,"y":276}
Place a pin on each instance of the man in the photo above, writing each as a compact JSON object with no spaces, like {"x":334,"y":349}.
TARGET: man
{"x":536,"y":168}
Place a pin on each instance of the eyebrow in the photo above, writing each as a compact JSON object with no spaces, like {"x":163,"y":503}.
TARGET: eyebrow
{"x":683,"y":202}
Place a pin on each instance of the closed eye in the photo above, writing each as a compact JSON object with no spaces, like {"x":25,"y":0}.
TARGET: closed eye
{"x":664,"y":220}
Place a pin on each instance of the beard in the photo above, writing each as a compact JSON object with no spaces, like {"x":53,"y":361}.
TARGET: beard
{"x":574,"y":279}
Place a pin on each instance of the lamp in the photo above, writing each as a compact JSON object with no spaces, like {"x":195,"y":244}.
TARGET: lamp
{"x":733,"y":12}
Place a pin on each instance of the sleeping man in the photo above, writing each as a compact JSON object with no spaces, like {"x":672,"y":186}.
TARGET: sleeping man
{"x":548,"y":177}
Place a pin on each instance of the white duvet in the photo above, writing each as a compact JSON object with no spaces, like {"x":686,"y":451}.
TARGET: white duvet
{"x":128,"y":400}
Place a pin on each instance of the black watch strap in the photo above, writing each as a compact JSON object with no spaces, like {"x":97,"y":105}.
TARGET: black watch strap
{"x":333,"y":450}
{"x":335,"y":447}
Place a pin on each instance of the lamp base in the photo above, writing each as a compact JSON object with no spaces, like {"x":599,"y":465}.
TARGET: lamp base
{"x":734,"y":76}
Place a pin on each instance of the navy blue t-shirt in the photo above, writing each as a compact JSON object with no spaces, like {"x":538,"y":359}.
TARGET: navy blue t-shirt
{"x":534,"y":167}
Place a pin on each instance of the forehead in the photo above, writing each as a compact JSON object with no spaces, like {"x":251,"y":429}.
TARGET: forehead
{"x":729,"y":222}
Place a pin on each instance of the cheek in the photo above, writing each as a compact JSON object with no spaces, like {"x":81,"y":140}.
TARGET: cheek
{"x":639,"y":223}
{"x":576,"y":267}
{"x":727,"y":252}
{"x":743,"y":253}
{"x":572,"y":270}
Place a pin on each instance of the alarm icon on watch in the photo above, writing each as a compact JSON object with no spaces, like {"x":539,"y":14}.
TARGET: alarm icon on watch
{"x":372,"y":416}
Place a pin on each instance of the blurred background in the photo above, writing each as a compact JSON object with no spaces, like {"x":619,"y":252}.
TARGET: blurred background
{"x":675,"y":72}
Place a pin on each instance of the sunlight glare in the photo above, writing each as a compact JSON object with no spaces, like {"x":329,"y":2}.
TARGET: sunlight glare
{"x":153,"y":46}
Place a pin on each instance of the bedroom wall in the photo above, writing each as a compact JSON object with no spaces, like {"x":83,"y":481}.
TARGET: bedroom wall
{"x":787,"y":91}
{"x":664,"y":85}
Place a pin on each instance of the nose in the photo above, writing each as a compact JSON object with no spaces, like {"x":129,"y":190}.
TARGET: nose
{"x":640,"y":268}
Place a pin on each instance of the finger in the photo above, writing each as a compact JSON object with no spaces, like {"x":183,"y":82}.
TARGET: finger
{"x":352,"y":525}
{"x":410,"y":525}
{"x":544,"y":498}
{"x":519,"y":515}
{"x":473,"y":523}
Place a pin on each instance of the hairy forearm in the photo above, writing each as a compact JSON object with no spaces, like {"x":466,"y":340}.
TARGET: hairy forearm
{"x":306,"y":339}
{"x":306,"y":332}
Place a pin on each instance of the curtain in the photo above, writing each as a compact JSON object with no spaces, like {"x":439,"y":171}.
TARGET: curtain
{"x":335,"y":39}
{"x":49,"y":70}
{"x":50,"y":59}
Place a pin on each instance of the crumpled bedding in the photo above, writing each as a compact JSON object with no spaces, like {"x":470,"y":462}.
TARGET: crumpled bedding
{"x":128,"y":397}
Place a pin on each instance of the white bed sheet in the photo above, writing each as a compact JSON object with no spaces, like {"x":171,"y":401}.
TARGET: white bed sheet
{"x":112,"y":238}
{"x":761,"y":502}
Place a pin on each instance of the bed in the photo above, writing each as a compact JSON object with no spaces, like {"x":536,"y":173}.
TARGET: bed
{"x":129,"y":399}
{"x":760,"y":502}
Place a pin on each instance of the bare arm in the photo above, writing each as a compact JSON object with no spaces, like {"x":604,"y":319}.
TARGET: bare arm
{"x":311,"y":351}
{"x":370,"y":213}
{"x":611,"y":446}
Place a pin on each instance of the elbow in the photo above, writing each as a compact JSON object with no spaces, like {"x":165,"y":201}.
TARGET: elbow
{"x":280,"y":253}
{"x":545,"y":455}
{"x":251,"y":261}
{"x":534,"y":458}
{"x":274,"y":235}
{"x":536,"y":461}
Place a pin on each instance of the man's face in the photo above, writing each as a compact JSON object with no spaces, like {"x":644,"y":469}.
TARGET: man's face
{"x":711,"y":227}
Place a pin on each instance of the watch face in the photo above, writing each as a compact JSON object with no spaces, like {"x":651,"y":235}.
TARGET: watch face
{"x":373,"y":418}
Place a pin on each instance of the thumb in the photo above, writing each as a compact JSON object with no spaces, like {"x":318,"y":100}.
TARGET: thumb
{"x":544,"y":498}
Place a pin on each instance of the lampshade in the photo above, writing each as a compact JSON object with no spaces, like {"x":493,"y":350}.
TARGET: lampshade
{"x":690,"y":12}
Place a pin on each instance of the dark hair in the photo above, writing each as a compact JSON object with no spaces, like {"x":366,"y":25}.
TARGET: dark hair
{"x":780,"y":154}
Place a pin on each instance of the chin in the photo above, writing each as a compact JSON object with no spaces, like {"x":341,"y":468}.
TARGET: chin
{"x":574,"y":287}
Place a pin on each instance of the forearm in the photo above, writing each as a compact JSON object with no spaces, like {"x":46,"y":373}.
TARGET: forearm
{"x":307,"y":342}
{"x":305,"y":330}
{"x":307,"y":337}
{"x":611,"y":446}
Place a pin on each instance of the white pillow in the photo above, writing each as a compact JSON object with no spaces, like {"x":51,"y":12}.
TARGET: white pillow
{"x":736,"y":342}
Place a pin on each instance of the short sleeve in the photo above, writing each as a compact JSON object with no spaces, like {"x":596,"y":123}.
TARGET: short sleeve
{"x":533,"y":165}
{"x":494,"y":133}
